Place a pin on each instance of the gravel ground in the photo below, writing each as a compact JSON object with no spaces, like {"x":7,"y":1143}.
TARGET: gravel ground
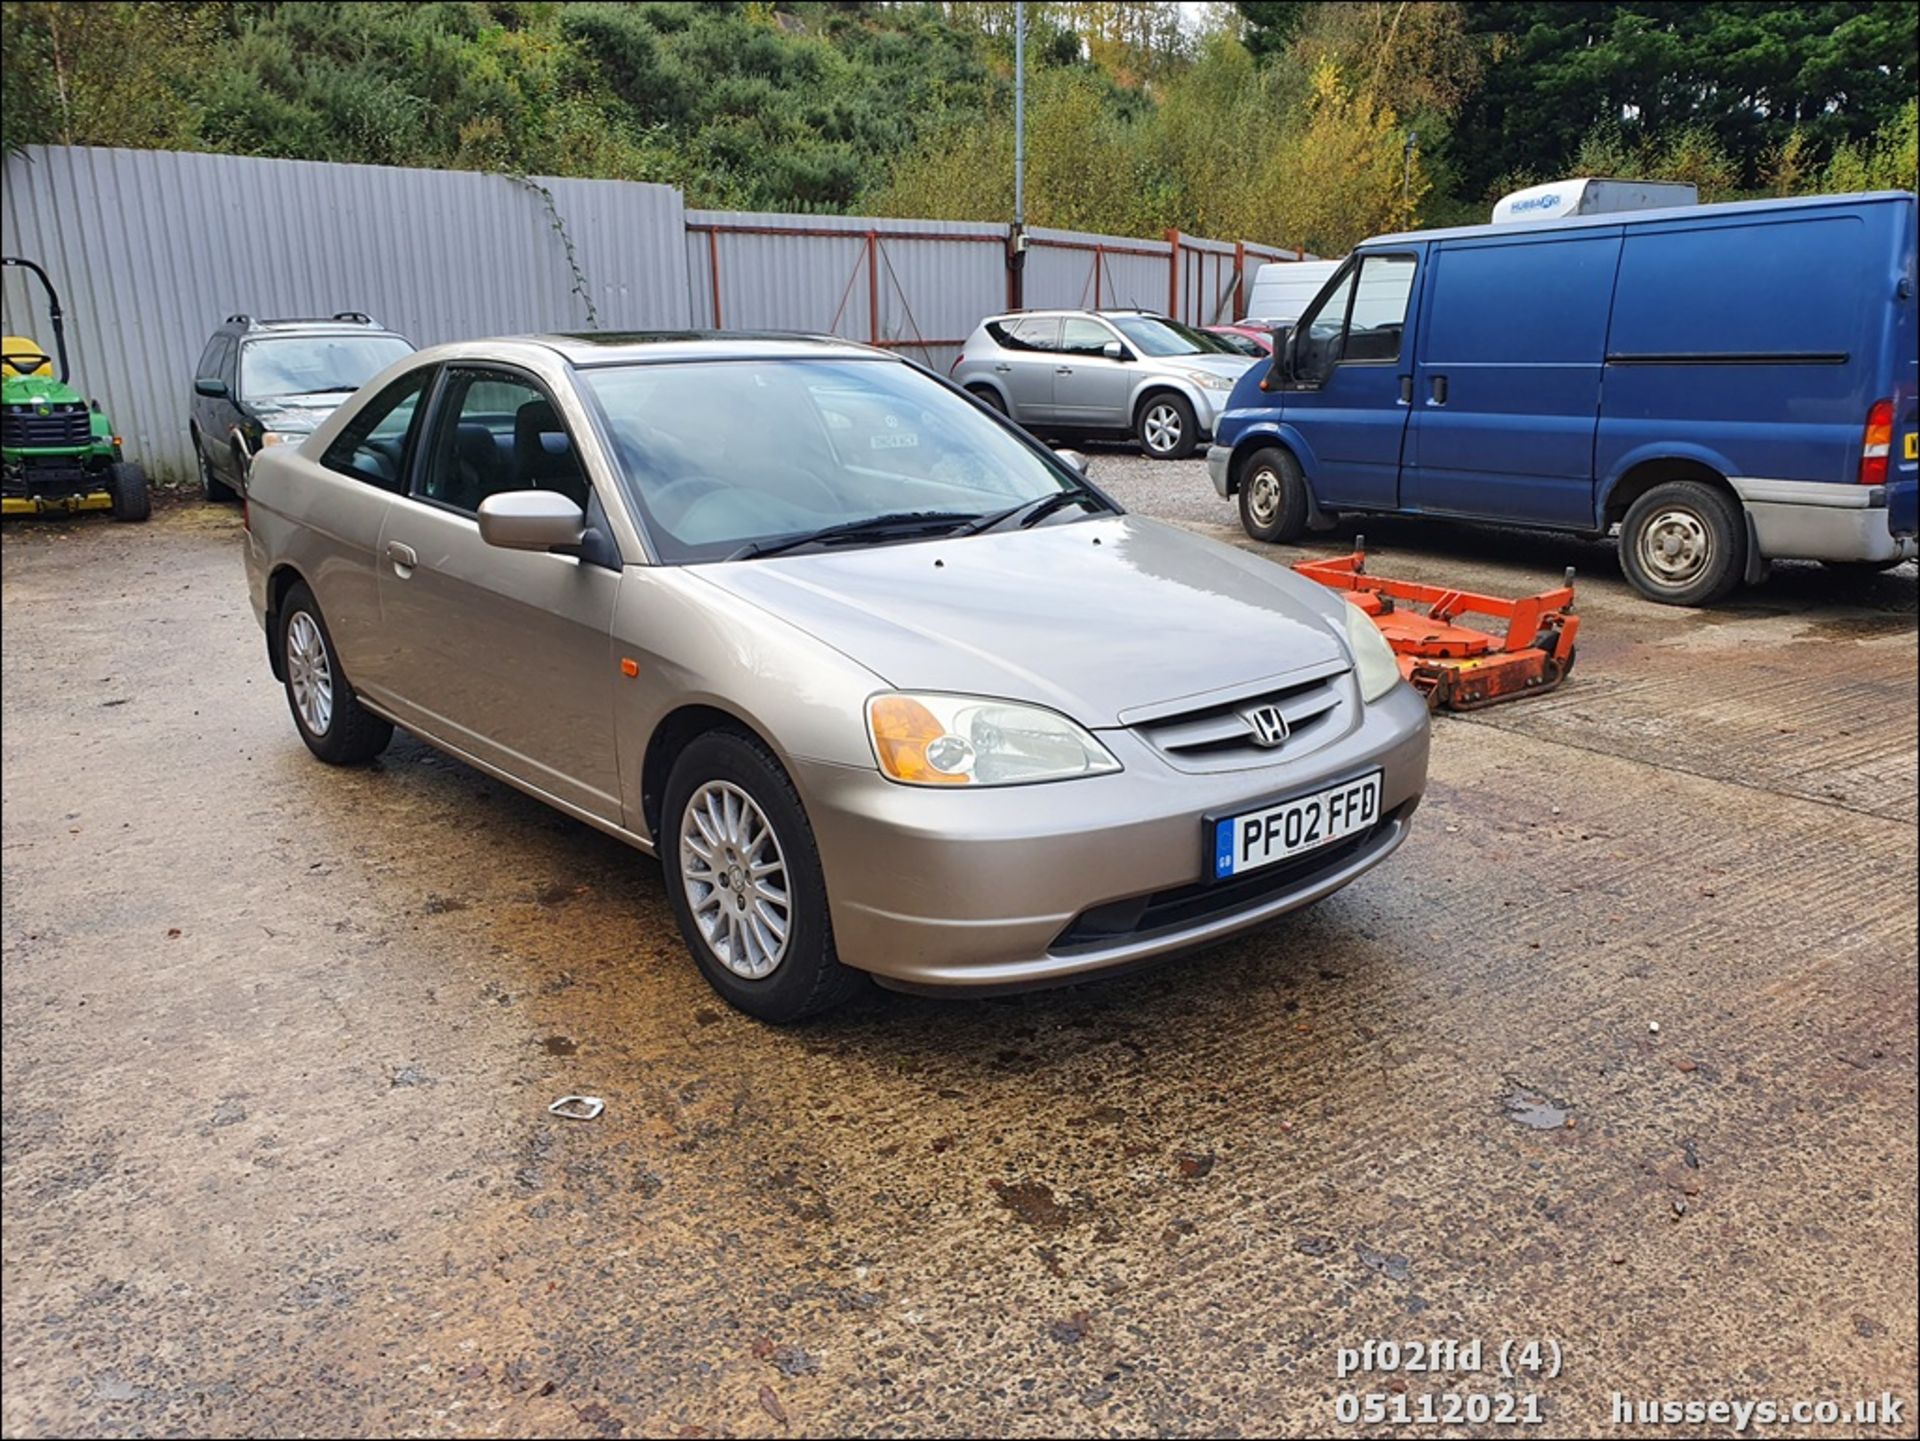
{"x":1618,"y":1053}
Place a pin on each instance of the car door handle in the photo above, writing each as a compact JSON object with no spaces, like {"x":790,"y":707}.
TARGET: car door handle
{"x":1063,"y":370}
{"x":402,"y":556}
{"x":1437,"y":390}
{"x":1004,"y":369}
{"x":1406,"y":390}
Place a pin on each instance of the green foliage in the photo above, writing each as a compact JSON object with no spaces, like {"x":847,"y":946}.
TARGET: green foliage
{"x":1290,"y":123}
{"x":1748,"y":75}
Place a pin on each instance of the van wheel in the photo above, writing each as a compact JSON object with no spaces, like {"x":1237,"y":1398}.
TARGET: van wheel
{"x":326,"y":712}
{"x":1683,"y":543}
{"x":744,"y":878}
{"x":1273,"y":496}
{"x":1166,"y":427}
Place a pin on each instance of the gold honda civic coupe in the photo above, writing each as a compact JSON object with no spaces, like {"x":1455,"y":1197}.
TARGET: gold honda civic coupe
{"x":890,"y":689}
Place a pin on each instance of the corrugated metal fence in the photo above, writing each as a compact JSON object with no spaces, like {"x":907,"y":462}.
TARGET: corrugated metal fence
{"x":153,"y":249}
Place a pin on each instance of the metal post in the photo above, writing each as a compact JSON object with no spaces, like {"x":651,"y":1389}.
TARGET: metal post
{"x":1173,"y":274}
{"x":1019,"y":116}
{"x":1239,"y":278}
{"x":873,"y":288}
{"x":713,"y":269}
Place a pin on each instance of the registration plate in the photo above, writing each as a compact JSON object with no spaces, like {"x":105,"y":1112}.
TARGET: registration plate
{"x":1913,"y":445}
{"x":894,"y":440}
{"x":1289,"y":828}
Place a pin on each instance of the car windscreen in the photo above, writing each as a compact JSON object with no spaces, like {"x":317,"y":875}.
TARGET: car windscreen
{"x":314,"y":364}
{"x":724,"y":454}
{"x":1155,"y":335}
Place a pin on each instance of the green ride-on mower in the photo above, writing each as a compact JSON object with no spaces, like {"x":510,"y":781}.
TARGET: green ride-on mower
{"x":59,"y":451}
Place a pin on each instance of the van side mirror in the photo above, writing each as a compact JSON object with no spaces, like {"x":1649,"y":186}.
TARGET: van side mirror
{"x":210,"y":386}
{"x":1114,"y":350}
{"x":1280,"y":368}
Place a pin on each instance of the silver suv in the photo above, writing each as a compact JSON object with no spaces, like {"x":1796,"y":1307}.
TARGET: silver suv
{"x":1103,"y":373}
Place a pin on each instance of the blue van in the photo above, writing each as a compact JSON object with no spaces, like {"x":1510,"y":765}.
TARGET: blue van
{"x":1728,"y":384}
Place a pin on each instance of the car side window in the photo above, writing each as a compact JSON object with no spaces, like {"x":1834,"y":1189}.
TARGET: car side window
{"x":229,"y":350}
{"x":1029,"y":332}
{"x":498,"y":431}
{"x":209,"y":366}
{"x":1084,"y":337}
{"x":377,"y":442}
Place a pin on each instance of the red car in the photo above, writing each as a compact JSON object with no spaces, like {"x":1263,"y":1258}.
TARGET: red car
{"x":1245,"y":336}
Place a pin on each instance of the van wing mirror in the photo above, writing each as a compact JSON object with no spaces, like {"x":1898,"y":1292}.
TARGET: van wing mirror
{"x":1280,"y":368}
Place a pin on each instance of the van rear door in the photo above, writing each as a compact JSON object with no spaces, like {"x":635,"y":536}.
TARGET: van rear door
{"x":1507,"y":388}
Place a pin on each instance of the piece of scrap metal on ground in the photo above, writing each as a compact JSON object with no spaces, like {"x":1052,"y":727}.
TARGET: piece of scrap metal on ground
{"x":1458,"y":667}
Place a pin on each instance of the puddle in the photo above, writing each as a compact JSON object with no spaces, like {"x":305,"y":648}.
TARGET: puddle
{"x":560,"y":1045}
{"x":1538,"y":1112}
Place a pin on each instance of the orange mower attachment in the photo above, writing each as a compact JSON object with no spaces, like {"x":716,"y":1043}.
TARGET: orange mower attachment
{"x":1457,"y":667}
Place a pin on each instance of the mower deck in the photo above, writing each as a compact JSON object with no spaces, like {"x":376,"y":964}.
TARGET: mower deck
{"x":1459,"y":667}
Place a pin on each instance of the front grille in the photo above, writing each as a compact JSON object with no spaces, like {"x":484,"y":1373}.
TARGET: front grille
{"x":1220,"y":736}
{"x":1184,"y":907}
{"x":23,"y":427}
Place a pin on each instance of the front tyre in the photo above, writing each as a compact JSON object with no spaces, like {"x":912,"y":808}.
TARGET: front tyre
{"x":1684,"y":543}
{"x":127,"y":486}
{"x":326,"y":712}
{"x":743,"y":876}
{"x":1273,"y":496}
{"x":1166,"y":427}
{"x":211,"y":486}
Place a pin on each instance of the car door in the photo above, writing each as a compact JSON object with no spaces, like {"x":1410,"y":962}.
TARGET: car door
{"x":1513,"y":337}
{"x":342,"y":514}
{"x":200,"y":407}
{"x":505,"y":655}
{"x":1026,"y":362}
{"x":235,"y":449}
{"x":1351,"y":381}
{"x":1089,"y":389}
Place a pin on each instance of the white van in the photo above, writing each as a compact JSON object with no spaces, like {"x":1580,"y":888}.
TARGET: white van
{"x":1283,"y":288}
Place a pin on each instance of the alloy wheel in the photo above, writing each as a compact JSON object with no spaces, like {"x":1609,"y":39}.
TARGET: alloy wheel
{"x":735,"y":877}
{"x":309,"y":673}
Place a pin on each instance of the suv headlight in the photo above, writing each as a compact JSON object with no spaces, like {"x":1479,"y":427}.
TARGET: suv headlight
{"x":1375,"y":665}
{"x":1207,"y":380}
{"x":959,"y":740}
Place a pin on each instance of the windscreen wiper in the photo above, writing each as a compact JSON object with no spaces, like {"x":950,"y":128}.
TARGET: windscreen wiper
{"x":1032,"y":512}
{"x":904,"y":522}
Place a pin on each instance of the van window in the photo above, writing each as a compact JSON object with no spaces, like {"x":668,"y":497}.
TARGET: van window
{"x":1785,"y":289}
{"x":1361,"y":321}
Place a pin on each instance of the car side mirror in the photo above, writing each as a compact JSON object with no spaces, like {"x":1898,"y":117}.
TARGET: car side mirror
{"x":531,"y":520}
{"x":1074,"y":459}
{"x":1114,"y":350}
{"x":211,"y":386}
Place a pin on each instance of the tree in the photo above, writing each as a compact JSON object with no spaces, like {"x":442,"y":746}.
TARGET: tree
{"x":1750,"y":74}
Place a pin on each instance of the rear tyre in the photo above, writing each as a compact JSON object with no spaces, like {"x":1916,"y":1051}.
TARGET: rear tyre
{"x":988,"y":397}
{"x":744,"y":878}
{"x":127,"y":484}
{"x":213,"y":488}
{"x":1273,"y":496}
{"x":1166,"y":427}
{"x":1684,"y":543}
{"x":326,"y":712}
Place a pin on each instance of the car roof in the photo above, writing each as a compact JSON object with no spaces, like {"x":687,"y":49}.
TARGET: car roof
{"x":625,"y":347}
{"x":1046,"y":310}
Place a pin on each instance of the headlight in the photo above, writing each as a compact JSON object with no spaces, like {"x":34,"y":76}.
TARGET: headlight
{"x":958,"y":740}
{"x":282,"y":437}
{"x":1375,"y":665}
{"x":1207,"y":380}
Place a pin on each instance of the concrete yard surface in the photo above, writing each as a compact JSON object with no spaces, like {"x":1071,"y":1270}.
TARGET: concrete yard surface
{"x":1617,"y":1053}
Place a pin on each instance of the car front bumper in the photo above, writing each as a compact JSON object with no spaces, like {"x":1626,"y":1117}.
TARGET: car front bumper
{"x":991,"y":889}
